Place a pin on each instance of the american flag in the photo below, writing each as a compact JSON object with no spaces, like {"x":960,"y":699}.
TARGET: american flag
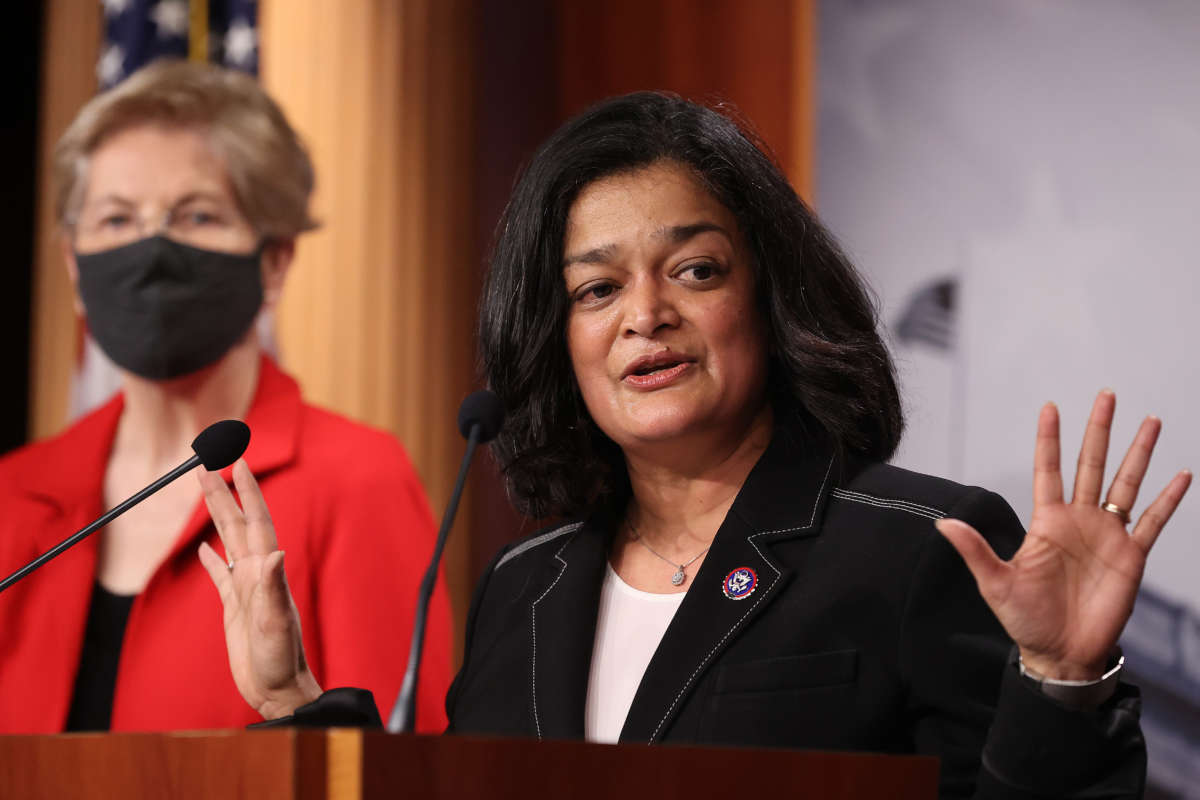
{"x":138,"y":31}
{"x":929,"y":317}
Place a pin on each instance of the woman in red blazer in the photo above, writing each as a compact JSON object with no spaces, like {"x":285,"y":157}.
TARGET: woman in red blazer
{"x":180,"y":194}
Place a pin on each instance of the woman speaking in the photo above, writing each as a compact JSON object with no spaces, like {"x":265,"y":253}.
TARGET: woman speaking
{"x":696,"y":386}
{"x":180,"y":194}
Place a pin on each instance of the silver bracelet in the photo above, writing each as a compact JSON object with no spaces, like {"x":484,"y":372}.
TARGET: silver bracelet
{"x":1079,"y":695}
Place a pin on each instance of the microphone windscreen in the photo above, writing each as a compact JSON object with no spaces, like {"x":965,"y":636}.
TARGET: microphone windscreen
{"x":482,"y":408}
{"x":221,"y":443}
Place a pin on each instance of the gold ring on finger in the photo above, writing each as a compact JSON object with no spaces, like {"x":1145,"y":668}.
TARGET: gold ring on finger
{"x":1113,"y":508}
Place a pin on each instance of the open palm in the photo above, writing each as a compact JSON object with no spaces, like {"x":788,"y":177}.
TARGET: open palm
{"x":262,"y":627}
{"x":1066,"y":595}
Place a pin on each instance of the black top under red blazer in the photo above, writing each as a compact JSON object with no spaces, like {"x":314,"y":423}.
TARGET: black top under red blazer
{"x":865,"y":631}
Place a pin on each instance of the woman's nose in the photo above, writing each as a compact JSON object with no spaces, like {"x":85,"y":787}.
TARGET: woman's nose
{"x":649,"y":308}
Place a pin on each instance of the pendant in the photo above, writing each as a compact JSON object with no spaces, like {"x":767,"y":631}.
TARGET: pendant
{"x":677,"y":578}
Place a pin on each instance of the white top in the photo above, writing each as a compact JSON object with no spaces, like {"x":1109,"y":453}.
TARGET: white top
{"x":629,"y":627}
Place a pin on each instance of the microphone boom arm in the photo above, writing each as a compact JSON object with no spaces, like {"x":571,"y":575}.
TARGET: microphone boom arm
{"x":403,"y":718}
{"x":106,"y":518}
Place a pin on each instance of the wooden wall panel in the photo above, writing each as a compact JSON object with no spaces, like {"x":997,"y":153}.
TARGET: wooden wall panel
{"x":756,"y":54}
{"x":377,"y":315}
{"x":70,"y":48}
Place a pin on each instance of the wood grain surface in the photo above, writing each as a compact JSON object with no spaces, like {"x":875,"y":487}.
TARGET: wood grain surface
{"x":351,"y":764}
{"x":264,"y":765}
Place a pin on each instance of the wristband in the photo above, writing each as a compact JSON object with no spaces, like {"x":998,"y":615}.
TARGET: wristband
{"x":1078,"y":695}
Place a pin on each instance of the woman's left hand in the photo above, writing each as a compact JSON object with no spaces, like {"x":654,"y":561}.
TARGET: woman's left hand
{"x":1066,"y":595}
{"x":262,"y":626}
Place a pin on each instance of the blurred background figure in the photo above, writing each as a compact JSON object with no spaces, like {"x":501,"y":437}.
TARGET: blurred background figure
{"x":180,"y":194}
{"x":136,"y":32}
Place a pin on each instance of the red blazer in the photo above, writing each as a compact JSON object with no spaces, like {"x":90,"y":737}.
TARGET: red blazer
{"x":349,"y":512}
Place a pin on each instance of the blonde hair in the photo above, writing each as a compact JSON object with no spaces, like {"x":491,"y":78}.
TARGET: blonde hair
{"x":268,"y":165}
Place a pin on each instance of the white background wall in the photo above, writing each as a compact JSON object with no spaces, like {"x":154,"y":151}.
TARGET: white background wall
{"x":1048,"y":154}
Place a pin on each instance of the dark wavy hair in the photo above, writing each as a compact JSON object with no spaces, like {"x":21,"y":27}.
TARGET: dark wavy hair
{"x":830,"y":376}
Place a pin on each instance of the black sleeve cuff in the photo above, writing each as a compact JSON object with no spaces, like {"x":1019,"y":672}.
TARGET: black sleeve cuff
{"x":1040,"y":746}
{"x":336,"y":708}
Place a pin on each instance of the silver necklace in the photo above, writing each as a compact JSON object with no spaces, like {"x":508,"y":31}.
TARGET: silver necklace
{"x":679,"y":576}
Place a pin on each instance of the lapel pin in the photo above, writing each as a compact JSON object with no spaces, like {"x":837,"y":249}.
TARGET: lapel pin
{"x":740,"y":583}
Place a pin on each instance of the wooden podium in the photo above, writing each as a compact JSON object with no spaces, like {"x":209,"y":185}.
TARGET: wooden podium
{"x":349,"y":764}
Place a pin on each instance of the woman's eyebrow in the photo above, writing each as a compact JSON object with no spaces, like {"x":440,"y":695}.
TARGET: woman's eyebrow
{"x":597,"y":255}
{"x":110,"y":198}
{"x":677,"y":234}
{"x":113,"y":198}
{"x":199,"y":194}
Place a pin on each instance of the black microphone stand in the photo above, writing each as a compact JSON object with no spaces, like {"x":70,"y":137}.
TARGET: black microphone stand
{"x":404,"y":712}
{"x":106,"y":518}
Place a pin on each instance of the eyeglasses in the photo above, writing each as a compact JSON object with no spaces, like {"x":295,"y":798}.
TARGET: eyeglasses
{"x":198,"y":221}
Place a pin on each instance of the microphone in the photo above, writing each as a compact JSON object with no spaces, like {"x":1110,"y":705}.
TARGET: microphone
{"x":217,"y":446}
{"x":480,"y":418}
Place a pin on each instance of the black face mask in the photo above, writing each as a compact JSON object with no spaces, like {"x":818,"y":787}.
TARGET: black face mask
{"x":162,"y":309}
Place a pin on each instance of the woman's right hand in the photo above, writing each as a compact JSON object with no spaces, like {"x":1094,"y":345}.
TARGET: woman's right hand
{"x":262,"y":626}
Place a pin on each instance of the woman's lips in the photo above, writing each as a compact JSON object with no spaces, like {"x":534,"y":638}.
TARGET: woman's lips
{"x":659,"y":378}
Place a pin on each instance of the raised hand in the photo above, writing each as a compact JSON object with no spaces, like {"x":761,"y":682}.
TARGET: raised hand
{"x":262,"y":627}
{"x":1066,"y":595}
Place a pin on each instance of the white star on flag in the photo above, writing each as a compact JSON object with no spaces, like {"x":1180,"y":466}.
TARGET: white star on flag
{"x":171,"y":18}
{"x":111,"y":66}
{"x":114,"y":8}
{"x":240,"y":43}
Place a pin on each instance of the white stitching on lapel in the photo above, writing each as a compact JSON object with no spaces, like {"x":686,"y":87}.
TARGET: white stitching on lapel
{"x":848,"y":494}
{"x":537,"y":725}
{"x":817,"y":501}
{"x":536,"y":541}
{"x":883,"y":502}
{"x":721,"y":641}
{"x":812,"y":517}
{"x":704,"y":661}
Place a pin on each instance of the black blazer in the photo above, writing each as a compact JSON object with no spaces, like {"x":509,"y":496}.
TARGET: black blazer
{"x":864,"y":631}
